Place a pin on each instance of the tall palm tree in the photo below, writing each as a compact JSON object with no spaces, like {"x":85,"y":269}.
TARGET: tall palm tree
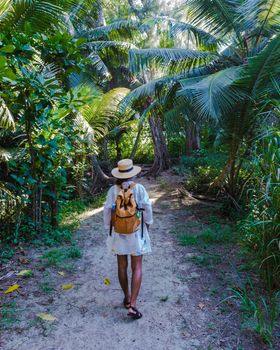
{"x":224,"y":77}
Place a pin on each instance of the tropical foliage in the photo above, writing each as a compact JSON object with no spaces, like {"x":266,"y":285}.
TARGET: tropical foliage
{"x":192,"y":85}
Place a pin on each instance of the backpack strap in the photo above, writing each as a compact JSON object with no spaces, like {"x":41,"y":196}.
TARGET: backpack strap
{"x":111,"y":228}
{"x":142,"y":224}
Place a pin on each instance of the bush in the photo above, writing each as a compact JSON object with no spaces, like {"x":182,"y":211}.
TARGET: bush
{"x":201,"y":168}
{"x":260,"y":229}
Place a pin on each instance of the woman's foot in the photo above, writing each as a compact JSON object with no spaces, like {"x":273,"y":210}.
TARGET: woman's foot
{"x":133,"y":312}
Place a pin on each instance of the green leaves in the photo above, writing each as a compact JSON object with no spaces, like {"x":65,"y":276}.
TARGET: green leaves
{"x":34,"y":15}
{"x":175,"y":58}
{"x":213,"y":95}
{"x":220,"y":16}
{"x":260,"y":69}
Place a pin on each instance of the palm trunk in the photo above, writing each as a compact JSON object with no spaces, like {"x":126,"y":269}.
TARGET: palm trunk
{"x":161,"y":156}
{"x":189,"y":144}
{"x":99,"y":172}
{"x":136,"y":143}
{"x":118,"y":149}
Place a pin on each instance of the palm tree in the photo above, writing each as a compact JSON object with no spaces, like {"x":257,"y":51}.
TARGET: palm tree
{"x":224,"y":77}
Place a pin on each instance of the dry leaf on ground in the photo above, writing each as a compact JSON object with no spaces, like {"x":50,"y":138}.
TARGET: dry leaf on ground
{"x":106,"y":281}
{"x":12,"y":288}
{"x":23,"y":260}
{"x":68,"y":286}
{"x":201,"y":306}
{"x":46,"y":317}
{"x":25,"y":273}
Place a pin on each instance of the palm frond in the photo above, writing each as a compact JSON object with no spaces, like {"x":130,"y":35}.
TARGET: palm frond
{"x":260,"y":16}
{"x":103,"y":113}
{"x":109,"y":103}
{"x":121,"y":29}
{"x":258,"y":72}
{"x":214,"y":95}
{"x":6,"y":117}
{"x":98,"y":66}
{"x":151,"y":88}
{"x":176,"y":117}
{"x":219,"y":16}
{"x":177,"y":58}
{"x":5,"y":154}
{"x":197,"y":37}
{"x":4,"y":6}
{"x":40,"y":14}
{"x":202,"y":39}
{"x":100,"y":45}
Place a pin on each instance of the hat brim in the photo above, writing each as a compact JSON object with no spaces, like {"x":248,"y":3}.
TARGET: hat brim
{"x":119,"y":175}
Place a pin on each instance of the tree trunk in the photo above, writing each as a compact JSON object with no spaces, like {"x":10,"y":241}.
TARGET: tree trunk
{"x":161,"y":156}
{"x":196,"y":137}
{"x":136,"y":143}
{"x":192,"y":138}
{"x":105,"y":150}
{"x":99,"y":172}
{"x":54,"y":206}
{"x":118,"y":149}
{"x":189,"y":144}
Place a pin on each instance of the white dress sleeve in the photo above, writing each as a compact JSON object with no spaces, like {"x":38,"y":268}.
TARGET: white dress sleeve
{"x":145,"y":203}
{"x":107,"y":208}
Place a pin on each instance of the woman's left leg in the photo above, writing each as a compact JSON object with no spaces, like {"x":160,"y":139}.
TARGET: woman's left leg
{"x":122,"y":274}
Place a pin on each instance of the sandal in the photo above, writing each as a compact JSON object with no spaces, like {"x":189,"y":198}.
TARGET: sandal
{"x":137,"y":313}
{"x":126,"y":304}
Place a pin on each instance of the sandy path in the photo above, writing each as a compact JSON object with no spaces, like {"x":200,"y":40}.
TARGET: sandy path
{"x":91,"y":315}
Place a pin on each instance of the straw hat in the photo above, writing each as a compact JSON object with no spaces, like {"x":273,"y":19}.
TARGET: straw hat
{"x":125,"y":169}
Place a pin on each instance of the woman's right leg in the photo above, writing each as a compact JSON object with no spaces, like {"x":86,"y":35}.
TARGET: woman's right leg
{"x":136,"y":266}
{"x":122,"y":274}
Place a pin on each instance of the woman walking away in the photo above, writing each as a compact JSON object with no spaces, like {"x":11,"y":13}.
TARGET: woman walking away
{"x":127,"y":216}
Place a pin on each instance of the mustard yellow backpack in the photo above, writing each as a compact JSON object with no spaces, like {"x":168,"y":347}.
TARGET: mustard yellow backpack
{"x":125,"y":214}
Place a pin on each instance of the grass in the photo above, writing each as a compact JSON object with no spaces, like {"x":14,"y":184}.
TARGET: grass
{"x":8,"y":315}
{"x":58,"y":256}
{"x":260,"y":311}
{"x":207,"y":260}
{"x":6,"y":253}
{"x":46,"y":285}
{"x":212,"y":234}
{"x":68,"y":219}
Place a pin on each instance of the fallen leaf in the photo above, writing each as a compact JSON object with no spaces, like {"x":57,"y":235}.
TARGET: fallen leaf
{"x":25,"y":273}
{"x":68,"y":286}
{"x":106,"y":281}
{"x":201,"y":306}
{"x":46,"y":317}
{"x":61,"y":273}
{"x":12,"y":288}
{"x":23,"y":260}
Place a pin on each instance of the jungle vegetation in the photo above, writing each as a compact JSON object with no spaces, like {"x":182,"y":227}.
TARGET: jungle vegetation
{"x":193,"y":86}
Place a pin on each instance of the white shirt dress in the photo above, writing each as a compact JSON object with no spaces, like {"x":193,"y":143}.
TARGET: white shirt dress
{"x":129,"y":244}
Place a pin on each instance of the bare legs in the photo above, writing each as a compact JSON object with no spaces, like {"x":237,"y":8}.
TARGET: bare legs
{"x":122,"y":274}
{"x":136,"y":267}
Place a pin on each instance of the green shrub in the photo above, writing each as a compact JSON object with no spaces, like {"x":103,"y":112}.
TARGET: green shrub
{"x":259,"y":231}
{"x":200,"y":169}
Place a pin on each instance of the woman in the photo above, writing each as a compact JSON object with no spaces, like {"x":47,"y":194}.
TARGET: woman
{"x":135,"y":244}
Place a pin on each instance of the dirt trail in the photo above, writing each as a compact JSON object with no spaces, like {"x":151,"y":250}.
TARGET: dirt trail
{"x":178,"y":312}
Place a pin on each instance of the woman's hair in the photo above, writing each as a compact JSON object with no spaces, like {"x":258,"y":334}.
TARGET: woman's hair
{"x":120,"y":181}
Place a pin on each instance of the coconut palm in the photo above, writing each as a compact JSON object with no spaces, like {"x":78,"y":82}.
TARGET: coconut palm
{"x":224,"y":83}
